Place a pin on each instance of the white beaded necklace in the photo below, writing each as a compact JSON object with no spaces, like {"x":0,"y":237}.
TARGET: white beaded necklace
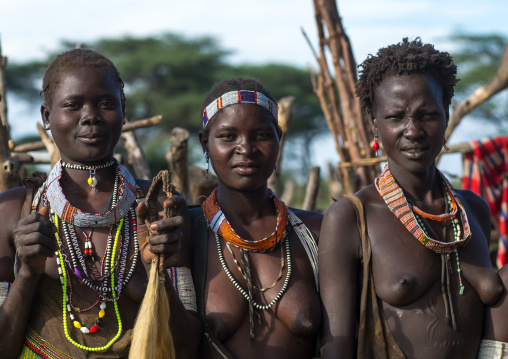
{"x":73,"y":215}
{"x":239,"y":287}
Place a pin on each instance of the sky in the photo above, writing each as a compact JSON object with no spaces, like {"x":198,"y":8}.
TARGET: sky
{"x":257,"y":32}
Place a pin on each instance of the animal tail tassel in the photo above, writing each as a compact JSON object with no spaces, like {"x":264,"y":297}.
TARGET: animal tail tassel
{"x":151,"y":336}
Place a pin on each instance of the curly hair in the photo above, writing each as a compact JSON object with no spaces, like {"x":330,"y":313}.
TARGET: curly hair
{"x":234,"y":84}
{"x":78,"y":59}
{"x":406,"y":58}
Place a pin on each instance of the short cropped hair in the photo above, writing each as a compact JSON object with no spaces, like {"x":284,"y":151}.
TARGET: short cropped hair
{"x":406,"y":58}
{"x":76,"y":59}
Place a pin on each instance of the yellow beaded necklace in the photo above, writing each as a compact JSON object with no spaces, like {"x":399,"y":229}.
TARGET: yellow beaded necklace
{"x":63,"y":279}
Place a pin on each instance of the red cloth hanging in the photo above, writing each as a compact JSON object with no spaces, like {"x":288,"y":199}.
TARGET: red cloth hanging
{"x":486,"y":174}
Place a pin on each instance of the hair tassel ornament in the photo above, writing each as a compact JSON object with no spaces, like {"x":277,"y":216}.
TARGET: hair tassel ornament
{"x":207,"y":164}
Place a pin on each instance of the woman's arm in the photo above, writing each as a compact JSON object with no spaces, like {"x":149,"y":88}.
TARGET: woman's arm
{"x":33,"y":238}
{"x":339,"y":258}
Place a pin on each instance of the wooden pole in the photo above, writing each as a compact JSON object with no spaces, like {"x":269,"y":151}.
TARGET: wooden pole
{"x":497,"y":84}
{"x":129,"y":126}
{"x":311,"y":192}
{"x":8,"y":168}
{"x":178,"y":163}
{"x":136,"y":157}
{"x":285,"y":110}
{"x":341,"y":108}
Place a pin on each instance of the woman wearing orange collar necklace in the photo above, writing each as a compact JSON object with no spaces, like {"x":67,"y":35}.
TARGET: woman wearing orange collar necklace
{"x":404,"y":263}
{"x":254,"y":259}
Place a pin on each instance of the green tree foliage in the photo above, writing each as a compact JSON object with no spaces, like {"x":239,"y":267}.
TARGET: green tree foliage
{"x":170,"y":75}
{"x":478,"y":57}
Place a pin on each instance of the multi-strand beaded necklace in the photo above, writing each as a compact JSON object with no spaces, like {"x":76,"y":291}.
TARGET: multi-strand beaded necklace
{"x":221,"y":227}
{"x":71,"y":259}
{"x":415,"y":221}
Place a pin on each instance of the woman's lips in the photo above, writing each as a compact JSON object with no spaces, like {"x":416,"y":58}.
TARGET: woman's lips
{"x":91,"y":139}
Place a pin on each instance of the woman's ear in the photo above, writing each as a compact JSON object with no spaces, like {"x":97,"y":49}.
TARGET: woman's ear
{"x":46,"y":116}
{"x":203,"y":139}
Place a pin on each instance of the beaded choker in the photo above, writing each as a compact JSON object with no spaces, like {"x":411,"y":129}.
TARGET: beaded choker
{"x":127,"y":192}
{"x":395,"y":200}
{"x":92,"y":180}
{"x":240,"y":96}
{"x":219,"y":224}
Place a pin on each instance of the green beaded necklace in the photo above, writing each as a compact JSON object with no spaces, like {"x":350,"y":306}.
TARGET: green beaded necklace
{"x":63,"y":279}
{"x":446,"y":267}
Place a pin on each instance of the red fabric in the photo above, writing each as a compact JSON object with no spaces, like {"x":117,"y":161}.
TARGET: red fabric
{"x":486,"y":173}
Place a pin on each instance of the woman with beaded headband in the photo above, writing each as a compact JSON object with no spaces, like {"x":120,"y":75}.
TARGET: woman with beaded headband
{"x":255,"y":266}
{"x":404,"y":263}
{"x":74,"y":271}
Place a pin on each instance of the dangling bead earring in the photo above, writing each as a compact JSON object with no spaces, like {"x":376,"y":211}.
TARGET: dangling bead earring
{"x":207,"y":164}
{"x":375,"y":145}
{"x":445,"y":146}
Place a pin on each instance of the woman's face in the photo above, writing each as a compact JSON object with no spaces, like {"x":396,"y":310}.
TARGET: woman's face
{"x":86,"y":115}
{"x":243,"y":146}
{"x":410,"y":119}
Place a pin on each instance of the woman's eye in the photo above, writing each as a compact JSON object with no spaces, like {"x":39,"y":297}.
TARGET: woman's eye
{"x":71,"y":105}
{"x":227,"y":137}
{"x":262,"y":136}
{"x":106,"y":104}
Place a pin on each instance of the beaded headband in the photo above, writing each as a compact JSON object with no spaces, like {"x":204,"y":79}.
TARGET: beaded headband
{"x":240,"y":96}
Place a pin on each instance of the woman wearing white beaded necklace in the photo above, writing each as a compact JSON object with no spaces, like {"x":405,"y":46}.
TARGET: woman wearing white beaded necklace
{"x":254,"y":260}
{"x":83,"y":303}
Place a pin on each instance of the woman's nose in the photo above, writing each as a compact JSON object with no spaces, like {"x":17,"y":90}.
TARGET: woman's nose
{"x":90,"y":115}
{"x":244,"y":146}
{"x":413,"y":128}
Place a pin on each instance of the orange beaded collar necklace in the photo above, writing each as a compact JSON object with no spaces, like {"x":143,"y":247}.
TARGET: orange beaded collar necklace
{"x":394,"y":198}
{"x":218,"y":223}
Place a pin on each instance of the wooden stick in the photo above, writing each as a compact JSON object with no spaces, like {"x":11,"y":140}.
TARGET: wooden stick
{"x":178,"y":162}
{"x":136,"y":156}
{"x":311,"y":192}
{"x":54,"y":152}
{"x":129,"y":126}
{"x":285,"y":111}
{"x":498,"y":83}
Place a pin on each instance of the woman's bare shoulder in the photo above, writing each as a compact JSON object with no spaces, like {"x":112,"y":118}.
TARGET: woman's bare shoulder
{"x":11,"y":203}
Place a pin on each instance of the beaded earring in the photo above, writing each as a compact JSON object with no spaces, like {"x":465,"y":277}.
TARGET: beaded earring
{"x":207,"y":164}
{"x":445,"y":146}
{"x":375,"y":145}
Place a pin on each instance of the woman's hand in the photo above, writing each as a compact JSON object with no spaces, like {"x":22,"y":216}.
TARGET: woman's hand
{"x":35,"y":242}
{"x":169,"y":235}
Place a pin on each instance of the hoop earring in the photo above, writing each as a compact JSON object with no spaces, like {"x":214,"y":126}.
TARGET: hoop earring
{"x":375,"y":145}
{"x":445,"y":146}
{"x":207,"y":164}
